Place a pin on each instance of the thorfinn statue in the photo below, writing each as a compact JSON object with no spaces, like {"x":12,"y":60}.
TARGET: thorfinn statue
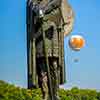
{"x":46,"y":24}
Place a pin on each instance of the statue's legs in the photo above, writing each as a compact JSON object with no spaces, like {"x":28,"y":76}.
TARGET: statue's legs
{"x":54,"y":77}
{"x":43,"y":80}
{"x":44,"y":85}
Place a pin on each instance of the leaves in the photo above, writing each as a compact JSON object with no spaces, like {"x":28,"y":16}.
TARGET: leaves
{"x":10,"y":92}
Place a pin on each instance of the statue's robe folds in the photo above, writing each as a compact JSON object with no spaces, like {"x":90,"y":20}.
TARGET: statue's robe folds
{"x":53,"y":28}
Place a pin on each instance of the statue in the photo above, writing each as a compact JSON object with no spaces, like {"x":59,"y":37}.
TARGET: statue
{"x":45,"y":46}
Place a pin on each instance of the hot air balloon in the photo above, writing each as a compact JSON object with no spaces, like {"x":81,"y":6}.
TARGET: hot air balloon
{"x":76,"y":42}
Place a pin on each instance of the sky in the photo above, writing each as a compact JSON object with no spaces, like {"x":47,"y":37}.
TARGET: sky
{"x":13,"y":62}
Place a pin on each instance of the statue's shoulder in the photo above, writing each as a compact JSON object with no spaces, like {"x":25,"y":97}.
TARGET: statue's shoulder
{"x":68,"y":16}
{"x":66,"y":9}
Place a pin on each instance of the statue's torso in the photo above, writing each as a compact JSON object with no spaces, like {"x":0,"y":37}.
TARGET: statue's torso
{"x":49,"y":26}
{"x":51,"y":40}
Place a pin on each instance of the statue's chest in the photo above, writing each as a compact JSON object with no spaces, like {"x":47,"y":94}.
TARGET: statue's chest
{"x":54,"y":16}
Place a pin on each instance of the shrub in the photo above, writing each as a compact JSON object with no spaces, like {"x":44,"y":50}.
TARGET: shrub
{"x":10,"y":92}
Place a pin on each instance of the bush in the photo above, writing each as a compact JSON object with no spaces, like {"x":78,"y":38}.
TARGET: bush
{"x":10,"y":92}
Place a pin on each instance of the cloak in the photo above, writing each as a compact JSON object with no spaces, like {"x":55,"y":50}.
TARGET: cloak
{"x":54,"y":36}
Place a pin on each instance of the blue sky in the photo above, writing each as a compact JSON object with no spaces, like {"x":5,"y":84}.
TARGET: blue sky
{"x":13,"y":65}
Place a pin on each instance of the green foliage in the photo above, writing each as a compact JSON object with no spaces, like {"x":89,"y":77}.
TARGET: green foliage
{"x":10,"y":92}
{"x":79,"y":94}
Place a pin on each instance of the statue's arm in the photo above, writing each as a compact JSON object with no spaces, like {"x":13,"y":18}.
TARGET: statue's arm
{"x":52,"y":5}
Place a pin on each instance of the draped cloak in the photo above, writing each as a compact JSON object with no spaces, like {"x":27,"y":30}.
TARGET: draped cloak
{"x":54,"y":36}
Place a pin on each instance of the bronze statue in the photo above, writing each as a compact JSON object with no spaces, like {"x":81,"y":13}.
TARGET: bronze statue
{"x":45,"y":46}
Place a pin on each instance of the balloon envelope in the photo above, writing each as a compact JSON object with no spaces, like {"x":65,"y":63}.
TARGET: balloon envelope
{"x":76,"y":42}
